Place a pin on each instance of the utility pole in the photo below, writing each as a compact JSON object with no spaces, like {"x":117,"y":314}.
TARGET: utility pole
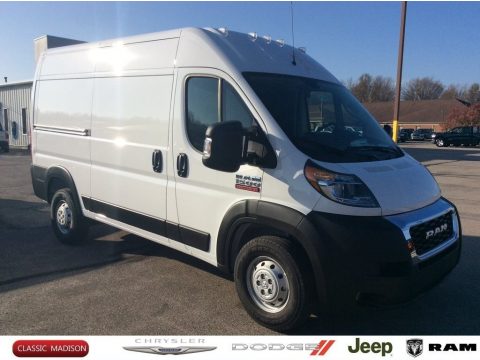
{"x":398,"y":88}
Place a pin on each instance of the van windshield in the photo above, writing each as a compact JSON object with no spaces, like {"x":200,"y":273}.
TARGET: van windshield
{"x":322,"y":119}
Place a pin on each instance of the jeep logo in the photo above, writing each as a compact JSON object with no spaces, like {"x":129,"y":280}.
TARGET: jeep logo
{"x":436,"y":231}
{"x":375,"y":347}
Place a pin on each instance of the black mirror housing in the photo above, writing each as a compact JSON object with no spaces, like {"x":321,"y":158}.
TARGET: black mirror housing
{"x":224,"y":146}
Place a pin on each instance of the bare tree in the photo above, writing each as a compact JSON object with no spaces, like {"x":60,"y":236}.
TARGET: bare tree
{"x":371,"y":89}
{"x":383,"y":89}
{"x":422,"y":89}
{"x":453,"y":92}
{"x":473,"y":93}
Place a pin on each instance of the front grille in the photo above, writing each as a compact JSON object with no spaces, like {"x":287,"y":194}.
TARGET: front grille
{"x":430,"y":234}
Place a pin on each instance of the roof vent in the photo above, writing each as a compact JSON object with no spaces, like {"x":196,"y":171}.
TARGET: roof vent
{"x":303,"y":49}
{"x":223,"y":30}
{"x":268,"y":39}
{"x":253,"y":36}
{"x":280,"y":42}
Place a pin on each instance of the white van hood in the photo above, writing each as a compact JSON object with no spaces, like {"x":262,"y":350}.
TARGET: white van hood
{"x":399,"y":185}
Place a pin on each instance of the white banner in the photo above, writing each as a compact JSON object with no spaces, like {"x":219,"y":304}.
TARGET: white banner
{"x":242,"y":347}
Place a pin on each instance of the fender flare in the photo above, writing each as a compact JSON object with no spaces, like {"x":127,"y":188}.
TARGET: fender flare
{"x":286,"y":221}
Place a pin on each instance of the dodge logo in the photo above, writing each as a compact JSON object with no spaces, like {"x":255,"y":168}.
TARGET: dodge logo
{"x":437,"y":230}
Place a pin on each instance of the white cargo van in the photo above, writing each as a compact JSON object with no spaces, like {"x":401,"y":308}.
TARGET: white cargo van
{"x":245,"y":153}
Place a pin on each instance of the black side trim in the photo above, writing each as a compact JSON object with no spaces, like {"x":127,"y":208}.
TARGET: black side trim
{"x":191,"y":237}
{"x":194,"y":238}
{"x":39,"y":177}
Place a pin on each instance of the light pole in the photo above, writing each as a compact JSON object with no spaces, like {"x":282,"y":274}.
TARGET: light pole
{"x":398,"y":87}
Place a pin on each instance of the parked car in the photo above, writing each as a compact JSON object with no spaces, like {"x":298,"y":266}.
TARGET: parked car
{"x":205,"y":141}
{"x":3,"y":139}
{"x":421,"y":134}
{"x":463,"y":135}
{"x":405,"y":134}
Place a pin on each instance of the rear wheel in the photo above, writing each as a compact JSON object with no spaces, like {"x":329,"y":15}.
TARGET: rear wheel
{"x":273,"y":283}
{"x":67,"y":220}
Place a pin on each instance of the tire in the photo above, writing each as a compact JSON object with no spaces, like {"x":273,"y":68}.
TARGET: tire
{"x":280,"y":270}
{"x":440,"y":143}
{"x":68,"y":223}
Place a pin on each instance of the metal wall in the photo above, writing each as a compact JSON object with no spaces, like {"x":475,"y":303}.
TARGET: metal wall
{"x":14,"y":98}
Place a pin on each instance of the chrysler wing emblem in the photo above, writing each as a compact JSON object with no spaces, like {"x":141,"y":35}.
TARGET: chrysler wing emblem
{"x":169,"y":350}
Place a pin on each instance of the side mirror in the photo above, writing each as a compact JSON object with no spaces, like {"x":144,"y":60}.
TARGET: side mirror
{"x":223,"y":147}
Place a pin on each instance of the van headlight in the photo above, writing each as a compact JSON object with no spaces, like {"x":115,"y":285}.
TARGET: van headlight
{"x":345,"y":189}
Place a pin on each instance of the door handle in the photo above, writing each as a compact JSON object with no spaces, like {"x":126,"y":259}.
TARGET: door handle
{"x":157,"y":161}
{"x":182,"y":165}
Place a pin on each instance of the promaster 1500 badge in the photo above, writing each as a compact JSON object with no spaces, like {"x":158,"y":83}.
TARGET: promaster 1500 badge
{"x":249,"y":183}
{"x":169,"y":350}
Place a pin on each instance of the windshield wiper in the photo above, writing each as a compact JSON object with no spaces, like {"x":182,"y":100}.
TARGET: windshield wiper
{"x":383,"y":149}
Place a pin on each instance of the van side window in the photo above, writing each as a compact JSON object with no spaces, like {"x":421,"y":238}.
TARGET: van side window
{"x":202,"y":108}
{"x":233,"y":107}
{"x":205,"y":107}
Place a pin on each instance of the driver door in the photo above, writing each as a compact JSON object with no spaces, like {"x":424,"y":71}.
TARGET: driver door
{"x":203,"y":195}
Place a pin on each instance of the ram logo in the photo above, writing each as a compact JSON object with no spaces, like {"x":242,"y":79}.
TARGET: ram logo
{"x":414,"y":347}
{"x":436,"y":231}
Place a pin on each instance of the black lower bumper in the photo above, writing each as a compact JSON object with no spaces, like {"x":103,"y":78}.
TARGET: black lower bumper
{"x":368,"y":259}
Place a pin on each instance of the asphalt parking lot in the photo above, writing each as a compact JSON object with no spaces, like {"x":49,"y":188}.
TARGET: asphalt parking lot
{"x":119,"y":284}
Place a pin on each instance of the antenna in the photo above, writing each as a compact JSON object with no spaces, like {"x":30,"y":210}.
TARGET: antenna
{"x":293,"y":35}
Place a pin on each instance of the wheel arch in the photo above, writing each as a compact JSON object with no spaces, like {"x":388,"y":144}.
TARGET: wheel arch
{"x":251,"y":218}
{"x":56,"y":178}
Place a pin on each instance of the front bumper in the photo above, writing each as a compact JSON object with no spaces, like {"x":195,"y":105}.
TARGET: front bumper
{"x":371,"y":259}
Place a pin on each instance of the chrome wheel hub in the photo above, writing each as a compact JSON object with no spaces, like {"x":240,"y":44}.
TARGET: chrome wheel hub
{"x":64,"y":217}
{"x":267,"y":284}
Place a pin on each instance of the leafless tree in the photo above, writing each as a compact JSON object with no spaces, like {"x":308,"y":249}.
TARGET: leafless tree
{"x":473,"y":93}
{"x":453,"y":92}
{"x":371,"y":89}
{"x":422,"y":89}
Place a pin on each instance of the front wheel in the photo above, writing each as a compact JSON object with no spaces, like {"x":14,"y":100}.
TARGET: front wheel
{"x":440,"y":143}
{"x":68,"y":223}
{"x":273,"y":283}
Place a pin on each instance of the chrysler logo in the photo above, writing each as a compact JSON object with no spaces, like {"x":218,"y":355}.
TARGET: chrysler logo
{"x":170,"y":350}
{"x":437,"y":230}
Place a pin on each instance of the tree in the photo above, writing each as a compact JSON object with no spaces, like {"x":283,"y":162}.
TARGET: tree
{"x":473,"y":93}
{"x":453,"y":91}
{"x":422,"y":89}
{"x":465,"y":116}
{"x":371,"y":89}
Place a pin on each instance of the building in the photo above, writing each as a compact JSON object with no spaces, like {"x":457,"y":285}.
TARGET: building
{"x":15,"y":97}
{"x":15,"y":112}
{"x":423,"y":114}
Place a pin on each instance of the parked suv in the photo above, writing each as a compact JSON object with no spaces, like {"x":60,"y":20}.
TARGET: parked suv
{"x":422,"y":134}
{"x":405,"y":134}
{"x":3,"y":139}
{"x":464,"y":135}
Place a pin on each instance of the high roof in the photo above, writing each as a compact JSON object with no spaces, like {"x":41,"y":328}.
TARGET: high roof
{"x":225,"y":50}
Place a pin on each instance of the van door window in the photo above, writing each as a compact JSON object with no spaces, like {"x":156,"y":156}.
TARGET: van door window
{"x":202,"y":108}
{"x":233,"y":107}
{"x":208,"y":104}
